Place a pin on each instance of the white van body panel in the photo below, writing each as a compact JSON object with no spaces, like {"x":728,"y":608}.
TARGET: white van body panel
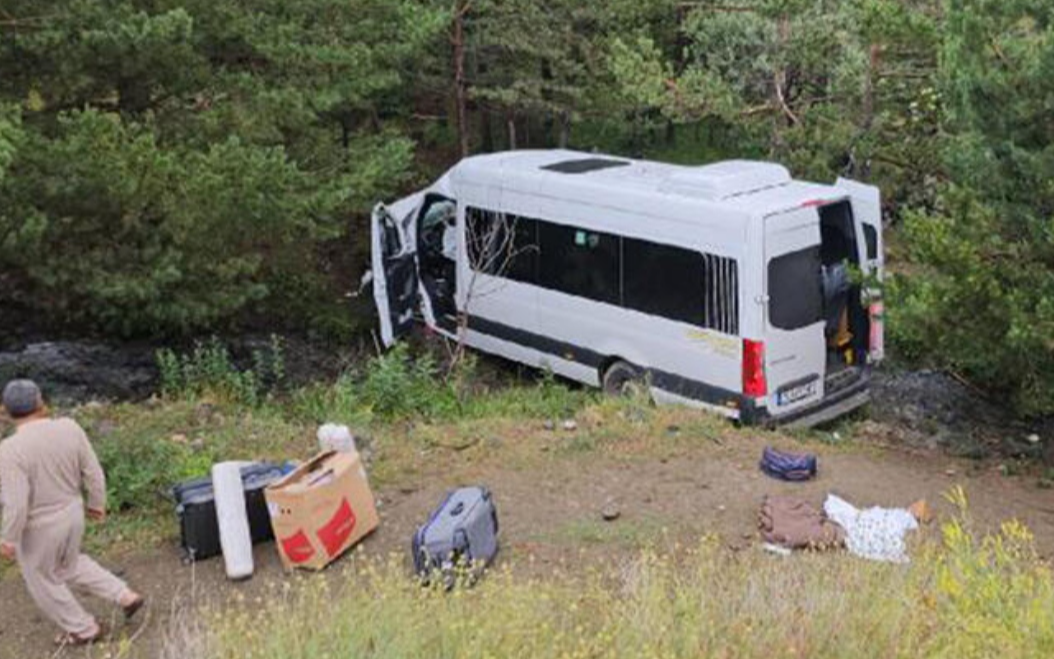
{"x":729,"y":210}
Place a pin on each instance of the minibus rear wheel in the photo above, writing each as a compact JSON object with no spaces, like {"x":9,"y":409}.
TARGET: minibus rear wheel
{"x":622,"y":379}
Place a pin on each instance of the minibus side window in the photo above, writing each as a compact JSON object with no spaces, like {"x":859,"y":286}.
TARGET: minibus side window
{"x":493,"y":250}
{"x":663,"y":280}
{"x":579,"y":262}
{"x":795,"y":289}
{"x":871,"y":238}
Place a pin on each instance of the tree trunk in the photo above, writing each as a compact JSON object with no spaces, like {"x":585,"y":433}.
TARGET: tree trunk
{"x":460,"y":94}
{"x":779,"y":83}
{"x":510,"y":123}
{"x":867,"y":119}
{"x":486,"y":131}
{"x":565,"y":129}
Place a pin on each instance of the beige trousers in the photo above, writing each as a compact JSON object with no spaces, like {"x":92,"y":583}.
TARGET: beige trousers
{"x":52,"y":562}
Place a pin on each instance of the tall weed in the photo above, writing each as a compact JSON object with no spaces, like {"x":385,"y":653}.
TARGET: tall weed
{"x":209,"y":371}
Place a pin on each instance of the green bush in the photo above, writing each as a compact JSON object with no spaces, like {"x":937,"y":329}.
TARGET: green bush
{"x":209,"y":371}
{"x":140,"y":469}
{"x":399,"y":384}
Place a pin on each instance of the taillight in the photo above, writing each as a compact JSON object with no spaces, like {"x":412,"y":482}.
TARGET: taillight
{"x":876,"y":344}
{"x":754,"y":384}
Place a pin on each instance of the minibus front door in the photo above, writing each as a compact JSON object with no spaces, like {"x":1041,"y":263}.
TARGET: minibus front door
{"x":794,"y":346}
{"x":395,"y":283}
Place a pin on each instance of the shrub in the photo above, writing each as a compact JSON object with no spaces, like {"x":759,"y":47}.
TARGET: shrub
{"x":398,"y":384}
{"x":209,"y":371}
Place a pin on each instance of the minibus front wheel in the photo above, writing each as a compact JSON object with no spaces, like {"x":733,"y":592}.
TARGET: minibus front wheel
{"x":621,"y":378}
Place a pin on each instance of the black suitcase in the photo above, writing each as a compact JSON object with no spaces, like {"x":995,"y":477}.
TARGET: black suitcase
{"x":196,"y":509}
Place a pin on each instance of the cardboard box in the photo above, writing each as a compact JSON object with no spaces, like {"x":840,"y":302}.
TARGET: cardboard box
{"x":321,"y":509}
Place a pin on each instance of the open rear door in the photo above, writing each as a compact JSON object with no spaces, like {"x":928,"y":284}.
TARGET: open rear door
{"x":395,"y":285}
{"x":867,"y":212}
{"x":795,"y":350}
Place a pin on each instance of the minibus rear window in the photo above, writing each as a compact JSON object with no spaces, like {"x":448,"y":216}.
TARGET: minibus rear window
{"x":795,"y":289}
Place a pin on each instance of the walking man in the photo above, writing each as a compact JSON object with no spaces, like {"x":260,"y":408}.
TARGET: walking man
{"x":44,"y":467}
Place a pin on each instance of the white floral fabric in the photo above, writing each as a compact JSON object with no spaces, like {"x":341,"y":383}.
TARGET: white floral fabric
{"x":874,"y":533}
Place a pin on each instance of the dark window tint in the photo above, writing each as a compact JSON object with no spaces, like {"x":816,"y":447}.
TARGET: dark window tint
{"x":663,"y":280}
{"x":838,"y":238}
{"x":679,"y":284}
{"x":795,"y":289}
{"x":583,"y":165}
{"x":579,"y":262}
{"x":502,"y":244}
{"x":721,"y":301}
{"x":871,"y":238}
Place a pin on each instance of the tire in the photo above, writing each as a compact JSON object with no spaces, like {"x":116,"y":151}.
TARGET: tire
{"x":622,"y":379}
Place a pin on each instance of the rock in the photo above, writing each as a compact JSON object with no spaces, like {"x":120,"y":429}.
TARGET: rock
{"x":549,"y":425}
{"x":949,"y":472}
{"x":76,"y":371}
{"x":178,"y":438}
{"x":570,"y":425}
{"x":721,"y":509}
{"x":198,"y":444}
{"x":1033,"y":438}
{"x":610,"y":512}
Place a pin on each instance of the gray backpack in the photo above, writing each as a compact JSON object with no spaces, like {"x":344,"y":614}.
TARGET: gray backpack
{"x":463,"y":530}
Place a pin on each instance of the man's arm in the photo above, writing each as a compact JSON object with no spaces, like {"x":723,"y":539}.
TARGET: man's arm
{"x":94,"y":479}
{"x":14,"y":494}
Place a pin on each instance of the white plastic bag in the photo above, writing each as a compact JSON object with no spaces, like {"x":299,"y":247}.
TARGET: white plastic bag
{"x":333,"y":437}
{"x":233,"y":519}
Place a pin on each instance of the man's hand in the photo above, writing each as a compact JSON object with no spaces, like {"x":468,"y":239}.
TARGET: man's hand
{"x":96,"y":515}
{"x":7,"y":550}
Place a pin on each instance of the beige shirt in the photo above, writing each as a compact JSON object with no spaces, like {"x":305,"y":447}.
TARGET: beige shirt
{"x":44,"y":467}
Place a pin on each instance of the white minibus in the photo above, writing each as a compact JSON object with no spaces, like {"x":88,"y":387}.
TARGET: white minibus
{"x":728,"y":286}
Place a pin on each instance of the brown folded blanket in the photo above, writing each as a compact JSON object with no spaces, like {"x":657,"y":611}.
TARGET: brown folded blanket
{"x":793,"y":523}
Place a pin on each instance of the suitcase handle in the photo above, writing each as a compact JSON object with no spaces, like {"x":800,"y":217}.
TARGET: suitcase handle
{"x":458,"y":509}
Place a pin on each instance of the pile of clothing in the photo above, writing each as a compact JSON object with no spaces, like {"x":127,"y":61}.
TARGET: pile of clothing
{"x":874,"y":533}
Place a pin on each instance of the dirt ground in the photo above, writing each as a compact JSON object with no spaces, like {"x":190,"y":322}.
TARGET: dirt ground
{"x":550,"y":511}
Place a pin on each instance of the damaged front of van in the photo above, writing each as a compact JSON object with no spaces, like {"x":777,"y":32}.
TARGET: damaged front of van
{"x":399,"y":290}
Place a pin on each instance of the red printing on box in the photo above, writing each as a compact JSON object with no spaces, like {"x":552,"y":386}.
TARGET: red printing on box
{"x":297,"y":547}
{"x":338,"y":529}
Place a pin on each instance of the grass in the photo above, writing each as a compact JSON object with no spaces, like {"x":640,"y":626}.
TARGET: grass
{"x":636,"y":533}
{"x":964,"y":597}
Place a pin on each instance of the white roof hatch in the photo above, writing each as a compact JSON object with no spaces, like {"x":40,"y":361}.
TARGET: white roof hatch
{"x":722,"y":180}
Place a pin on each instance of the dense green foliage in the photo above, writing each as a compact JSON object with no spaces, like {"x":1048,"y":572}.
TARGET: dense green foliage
{"x":169,"y":167}
{"x":983,"y":299}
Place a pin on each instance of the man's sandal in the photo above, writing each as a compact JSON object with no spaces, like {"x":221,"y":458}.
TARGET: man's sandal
{"x":76,"y":640}
{"x":133,"y":608}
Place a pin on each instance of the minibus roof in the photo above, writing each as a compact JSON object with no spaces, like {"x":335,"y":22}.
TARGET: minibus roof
{"x":753,"y":187}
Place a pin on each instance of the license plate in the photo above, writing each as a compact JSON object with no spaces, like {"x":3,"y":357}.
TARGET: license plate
{"x":801,"y":392}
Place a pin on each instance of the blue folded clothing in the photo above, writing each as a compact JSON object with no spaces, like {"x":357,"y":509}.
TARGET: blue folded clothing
{"x":788,"y":466}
